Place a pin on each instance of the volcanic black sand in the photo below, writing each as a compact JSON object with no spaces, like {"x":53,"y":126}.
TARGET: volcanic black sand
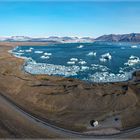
{"x":64,"y":102}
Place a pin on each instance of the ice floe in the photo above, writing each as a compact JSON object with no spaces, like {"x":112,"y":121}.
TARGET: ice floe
{"x":134,"y":46}
{"x":133,"y":60}
{"x":74,"y":59}
{"x":47,"y":53}
{"x":44,"y":57}
{"x":28,"y":50}
{"x":82,"y":62}
{"x":83,"y":68}
{"x":71,"y":62}
{"x":105,"y":57}
{"x":91,"y":54}
{"x":99,"y":67}
{"x":38,"y":52}
{"x":51,"y":69}
{"x":31,"y":48}
{"x":81,"y":46}
{"x":109,"y":77}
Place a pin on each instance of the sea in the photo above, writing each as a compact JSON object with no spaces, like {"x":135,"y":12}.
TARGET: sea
{"x":92,"y":62}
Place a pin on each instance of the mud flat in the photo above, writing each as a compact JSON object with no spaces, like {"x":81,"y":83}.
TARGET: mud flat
{"x":65,"y":102}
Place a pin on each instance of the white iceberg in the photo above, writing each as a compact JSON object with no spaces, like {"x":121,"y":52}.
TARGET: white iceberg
{"x":83,"y":68}
{"x":31,"y":48}
{"x":45,"y":57}
{"x":92,"y":54}
{"x":21,"y":51}
{"x":99,"y":67}
{"x":28,"y":50}
{"x":134,"y":46}
{"x":81,"y":46}
{"x":82,"y":62}
{"x":47,"y":53}
{"x":39,"y":52}
{"x":73,"y":59}
{"x":105,"y":57}
{"x":71,"y":62}
{"x":133,"y":60}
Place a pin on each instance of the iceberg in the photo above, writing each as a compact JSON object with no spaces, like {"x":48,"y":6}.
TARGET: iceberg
{"x":105,"y":57}
{"x":91,"y":54}
{"x":28,"y":50}
{"x":133,"y":60}
{"x":31,"y":48}
{"x":99,"y":67}
{"x":83,"y":68}
{"x":81,"y":46}
{"x":38,"y":51}
{"x":47,"y":53}
{"x":73,"y":59}
{"x":71,"y":62}
{"x":45,"y":57}
{"x":82,"y":62}
{"x":134,"y":46}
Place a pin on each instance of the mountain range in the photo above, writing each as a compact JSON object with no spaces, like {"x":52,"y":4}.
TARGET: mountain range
{"x":133,"y":37}
{"x":54,"y":39}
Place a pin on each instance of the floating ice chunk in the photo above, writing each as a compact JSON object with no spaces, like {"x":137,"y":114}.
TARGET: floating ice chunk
{"x":51,"y":69}
{"x":133,"y":60}
{"x":105,"y":57}
{"x":81,"y":46}
{"x":47,"y":53}
{"x":91,"y":54}
{"x":83,"y":68}
{"x":109,"y":77}
{"x":31,"y":48}
{"x":82,"y":62}
{"x":45,"y":57}
{"x":38,"y":51}
{"x":21,"y":51}
{"x":71,"y":62}
{"x":99,"y":67}
{"x":134,"y":46}
{"x":73,"y":59}
{"x":28,"y":50}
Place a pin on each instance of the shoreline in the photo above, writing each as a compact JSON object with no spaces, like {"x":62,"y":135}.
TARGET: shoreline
{"x":51,"y":95}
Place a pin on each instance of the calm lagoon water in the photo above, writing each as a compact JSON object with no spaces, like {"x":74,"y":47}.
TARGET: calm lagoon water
{"x":94,"y":62}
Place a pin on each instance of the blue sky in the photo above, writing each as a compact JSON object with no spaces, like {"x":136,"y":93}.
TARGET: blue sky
{"x":72,"y":18}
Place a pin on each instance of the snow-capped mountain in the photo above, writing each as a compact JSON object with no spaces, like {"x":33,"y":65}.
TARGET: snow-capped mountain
{"x":47,"y":39}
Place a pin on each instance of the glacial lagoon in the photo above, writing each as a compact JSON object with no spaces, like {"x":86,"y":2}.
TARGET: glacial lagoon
{"x":93,"y":62}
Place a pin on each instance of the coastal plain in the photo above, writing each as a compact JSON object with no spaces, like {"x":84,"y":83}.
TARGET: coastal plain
{"x":64,"y":102}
